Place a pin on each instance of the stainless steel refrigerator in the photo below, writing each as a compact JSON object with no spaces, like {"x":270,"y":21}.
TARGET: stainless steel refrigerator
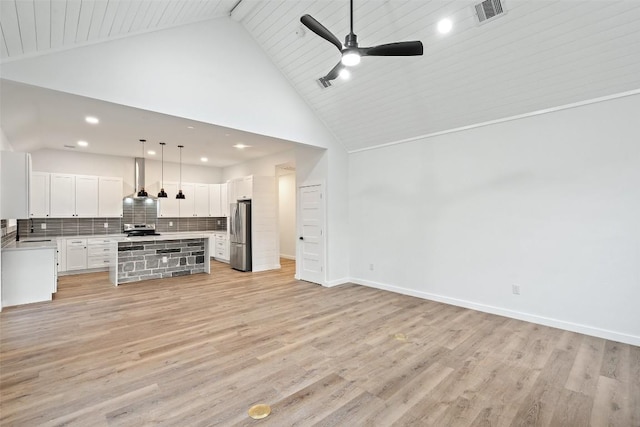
{"x":240,"y":232}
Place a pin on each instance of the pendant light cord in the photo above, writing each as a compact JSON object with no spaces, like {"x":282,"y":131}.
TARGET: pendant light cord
{"x":162,"y":164}
{"x":351,"y":16}
{"x":180,"y":147}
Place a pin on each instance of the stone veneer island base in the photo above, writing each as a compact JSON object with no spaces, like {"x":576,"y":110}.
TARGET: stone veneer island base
{"x":159,"y":257}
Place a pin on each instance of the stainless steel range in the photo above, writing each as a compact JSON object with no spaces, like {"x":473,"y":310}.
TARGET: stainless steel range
{"x":133,"y":230}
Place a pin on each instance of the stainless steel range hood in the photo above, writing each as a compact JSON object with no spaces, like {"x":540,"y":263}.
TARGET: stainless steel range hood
{"x":139,"y":180}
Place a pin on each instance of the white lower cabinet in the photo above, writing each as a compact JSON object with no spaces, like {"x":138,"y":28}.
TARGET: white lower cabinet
{"x":83,"y":253}
{"x":221,"y":249}
{"x":98,"y":252}
{"x":76,"y":254}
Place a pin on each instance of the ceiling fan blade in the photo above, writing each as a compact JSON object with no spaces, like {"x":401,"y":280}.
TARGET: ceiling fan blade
{"x":320,"y":30}
{"x":413,"y":48}
{"x":334,"y":73}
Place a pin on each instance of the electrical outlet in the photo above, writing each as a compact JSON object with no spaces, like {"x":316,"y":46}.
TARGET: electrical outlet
{"x":106,"y":225}
{"x":515,"y":289}
{"x":371,"y":267}
{"x":43,"y":226}
{"x":164,"y":259}
{"x":170,"y":223}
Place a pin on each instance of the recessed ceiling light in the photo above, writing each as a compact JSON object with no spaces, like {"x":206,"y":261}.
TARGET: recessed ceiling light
{"x":92,"y":120}
{"x":190,"y":127}
{"x":204,"y":159}
{"x":151,"y":153}
{"x":83,"y":143}
{"x":445,"y":25}
{"x":241,"y":146}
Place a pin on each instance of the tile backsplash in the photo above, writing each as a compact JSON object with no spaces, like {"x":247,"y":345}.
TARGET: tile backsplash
{"x":96,"y":226}
{"x":69,"y":226}
{"x":139,"y":211}
{"x":8,"y":232}
{"x":191,"y":224}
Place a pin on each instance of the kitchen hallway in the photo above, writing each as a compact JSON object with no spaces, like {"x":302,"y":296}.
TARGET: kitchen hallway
{"x":202,"y":349}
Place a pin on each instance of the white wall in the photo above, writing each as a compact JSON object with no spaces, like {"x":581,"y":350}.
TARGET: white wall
{"x":550,"y":203}
{"x":263,"y":166}
{"x":210,"y":71}
{"x":287,"y":214}
{"x":214,"y":72}
{"x":75,"y":162}
{"x":5,"y":145}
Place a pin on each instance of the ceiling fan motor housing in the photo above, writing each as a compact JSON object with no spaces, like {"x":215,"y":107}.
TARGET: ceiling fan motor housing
{"x":351,"y":40}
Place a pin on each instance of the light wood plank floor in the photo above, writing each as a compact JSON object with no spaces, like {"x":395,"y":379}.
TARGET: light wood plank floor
{"x":201,"y":350}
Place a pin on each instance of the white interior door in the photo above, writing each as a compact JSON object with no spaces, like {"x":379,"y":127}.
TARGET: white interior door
{"x":311,"y":234}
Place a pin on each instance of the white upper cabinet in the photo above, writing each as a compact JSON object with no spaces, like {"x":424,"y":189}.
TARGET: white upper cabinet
{"x":86,"y":196}
{"x":39,"y":195}
{"x":231,"y":191}
{"x":201,"y":200}
{"x":244,"y":188}
{"x":196,"y":202}
{"x":215,"y":207}
{"x":79,"y":195}
{"x":168,"y":207}
{"x":218,"y":200}
{"x":109,"y":197}
{"x":187,"y":207}
{"x":63,"y":195}
{"x":240,"y":189}
{"x":224,"y":200}
{"x":16,"y":173}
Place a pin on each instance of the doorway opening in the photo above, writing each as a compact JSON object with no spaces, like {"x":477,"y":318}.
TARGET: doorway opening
{"x":286,"y":182}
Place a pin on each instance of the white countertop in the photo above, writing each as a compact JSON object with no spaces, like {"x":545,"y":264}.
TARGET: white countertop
{"x":27,"y":244}
{"x":167,"y":236}
{"x":50,"y":242}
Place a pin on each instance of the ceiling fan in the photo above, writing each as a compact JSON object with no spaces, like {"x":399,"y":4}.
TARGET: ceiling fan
{"x":351,"y":53}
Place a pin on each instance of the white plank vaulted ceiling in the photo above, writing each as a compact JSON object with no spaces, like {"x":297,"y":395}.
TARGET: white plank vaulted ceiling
{"x":538,"y":55}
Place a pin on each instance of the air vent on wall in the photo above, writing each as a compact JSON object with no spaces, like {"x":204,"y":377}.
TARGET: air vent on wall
{"x":489,"y":9}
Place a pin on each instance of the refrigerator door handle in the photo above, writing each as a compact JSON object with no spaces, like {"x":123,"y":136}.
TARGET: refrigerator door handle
{"x":237,"y":221}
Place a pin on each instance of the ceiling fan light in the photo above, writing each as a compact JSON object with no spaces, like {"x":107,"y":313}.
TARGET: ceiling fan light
{"x":350,"y":58}
{"x":345,"y":74}
{"x":445,"y":25}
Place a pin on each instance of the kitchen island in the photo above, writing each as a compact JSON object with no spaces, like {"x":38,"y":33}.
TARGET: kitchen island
{"x":157,"y":257}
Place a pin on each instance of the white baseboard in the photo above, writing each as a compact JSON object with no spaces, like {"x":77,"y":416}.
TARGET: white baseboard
{"x":336,"y":282}
{"x":541,"y":320}
{"x":266,"y":268}
{"x":293,"y":257}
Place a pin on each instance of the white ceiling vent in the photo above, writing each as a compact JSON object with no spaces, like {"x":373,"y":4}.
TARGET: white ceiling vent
{"x":489,"y":9}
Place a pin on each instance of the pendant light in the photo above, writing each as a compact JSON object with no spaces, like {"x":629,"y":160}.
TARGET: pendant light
{"x":142,"y":193}
{"x":180,"y":195}
{"x":162,"y":193}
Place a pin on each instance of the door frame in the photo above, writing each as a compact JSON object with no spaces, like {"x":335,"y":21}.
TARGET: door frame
{"x":299,"y":187}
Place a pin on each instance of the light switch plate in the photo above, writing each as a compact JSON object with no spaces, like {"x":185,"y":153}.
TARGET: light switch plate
{"x":43,"y":226}
{"x":106,"y":225}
